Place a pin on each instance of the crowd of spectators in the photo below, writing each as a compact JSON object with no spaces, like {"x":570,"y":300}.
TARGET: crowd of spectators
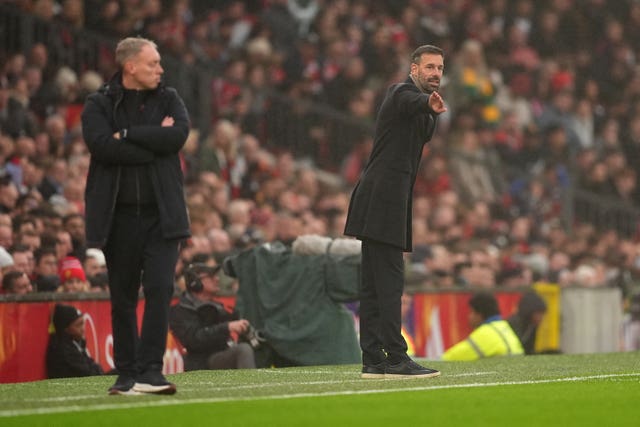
{"x":542,"y":95}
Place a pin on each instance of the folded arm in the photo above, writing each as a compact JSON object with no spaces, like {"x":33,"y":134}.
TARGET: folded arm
{"x":103,"y":146}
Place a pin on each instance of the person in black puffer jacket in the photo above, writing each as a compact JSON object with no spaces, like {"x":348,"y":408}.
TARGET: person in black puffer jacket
{"x":205,"y":328}
{"x":134,"y":127}
{"x":67,"y":354}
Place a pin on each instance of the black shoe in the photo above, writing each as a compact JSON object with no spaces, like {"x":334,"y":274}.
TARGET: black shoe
{"x":123,"y":385}
{"x":409,"y":369}
{"x":153,"y":382}
{"x":374,"y":371}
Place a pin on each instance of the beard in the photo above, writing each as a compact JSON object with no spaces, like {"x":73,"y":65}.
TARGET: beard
{"x":431,"y":85}
{"x":426,"y":85}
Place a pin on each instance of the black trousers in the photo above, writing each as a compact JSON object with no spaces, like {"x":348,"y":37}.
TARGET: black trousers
{"x":381,"y":287}
{"x":137,"y":254}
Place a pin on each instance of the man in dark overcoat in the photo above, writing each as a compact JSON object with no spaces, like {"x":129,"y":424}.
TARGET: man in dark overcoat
{"x":380,"y":212}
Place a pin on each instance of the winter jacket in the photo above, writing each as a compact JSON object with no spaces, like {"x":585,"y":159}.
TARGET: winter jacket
{"x":202,"y":327}
{"x":68,"y":358}
{"x":146,"y":144}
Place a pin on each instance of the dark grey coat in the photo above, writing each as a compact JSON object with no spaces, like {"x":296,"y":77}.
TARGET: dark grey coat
{"x":151,"y":144}
{"x":381,"y":202}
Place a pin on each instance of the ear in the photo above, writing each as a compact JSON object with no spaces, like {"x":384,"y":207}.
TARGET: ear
{"x":129,"y":67}
{"x":414,"y":69}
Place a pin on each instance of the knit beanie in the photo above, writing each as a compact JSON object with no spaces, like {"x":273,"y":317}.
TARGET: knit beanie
{"x":71,"y":267}
{"x":63,"y":316}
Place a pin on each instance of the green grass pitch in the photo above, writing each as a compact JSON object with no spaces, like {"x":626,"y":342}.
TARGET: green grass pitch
{"x":554,"y":390}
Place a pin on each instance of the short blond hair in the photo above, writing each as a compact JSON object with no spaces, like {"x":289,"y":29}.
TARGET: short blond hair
{"x":130,"y":47}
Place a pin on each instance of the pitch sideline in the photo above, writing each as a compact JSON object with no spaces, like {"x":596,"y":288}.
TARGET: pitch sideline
{"x":173,"y":402}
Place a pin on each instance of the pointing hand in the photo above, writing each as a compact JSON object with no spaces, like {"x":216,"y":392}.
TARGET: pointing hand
{"x":437,"y":103}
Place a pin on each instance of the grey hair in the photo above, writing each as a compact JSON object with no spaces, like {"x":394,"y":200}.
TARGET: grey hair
{"x":130,"y":47}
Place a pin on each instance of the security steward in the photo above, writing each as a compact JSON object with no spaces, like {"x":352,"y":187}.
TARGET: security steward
{"x":205,"y":328}
{"x":491,"y":337}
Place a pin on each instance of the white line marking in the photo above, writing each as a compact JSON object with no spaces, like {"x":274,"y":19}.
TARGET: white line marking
{"x":236,"y":386}
{"x":173,"y":402}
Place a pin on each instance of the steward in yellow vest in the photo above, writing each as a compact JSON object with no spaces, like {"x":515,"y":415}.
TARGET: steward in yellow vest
{"x":491,"y":337}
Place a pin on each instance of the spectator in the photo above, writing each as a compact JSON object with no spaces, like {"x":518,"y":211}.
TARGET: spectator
{"x":23,"y":259}
{"x":74,"y":224}
{"x":72,"y":276}
{"x":8,"y":194}
{"x":6,"y":235}
{"x":6,"y":260}
{"x":55,"y":176}
{"x":205,"y":327}
{"x":67,"y":354}
{"x":30,"y":239}
{"x":95,"y":267}
{"x":491,"y":336}
{"x":16,"y":282}
{"x":46,"y":274}
{"x":473,"y":84}
{"x":470,"y":170}
{"x":439,"y":267}
{"x":525,"y":321}
{"x":64,"y":244}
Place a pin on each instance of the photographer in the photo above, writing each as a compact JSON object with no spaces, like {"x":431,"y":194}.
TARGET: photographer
{"x":205,"y":328}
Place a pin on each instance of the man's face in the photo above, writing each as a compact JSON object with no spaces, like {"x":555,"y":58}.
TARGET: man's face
{"x":75,"y":227}
{"x":6,"y":236}
{"x":76,"y":328}
{"x":428,"y":71}
{"x":47,"y":266}
{"x":210,"y":284}
{"x":22,"y":285}
{"x":93,"y":267}
{"x":24,"y":261}
{"x":475,"y":319}
{"x":145,"y":69}
{"x":63,"y":244}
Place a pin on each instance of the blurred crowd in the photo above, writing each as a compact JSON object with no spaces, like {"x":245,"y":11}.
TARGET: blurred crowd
{"x":542,"y":96}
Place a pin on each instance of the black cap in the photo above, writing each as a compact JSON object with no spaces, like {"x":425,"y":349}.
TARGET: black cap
{"x":63,"y":316}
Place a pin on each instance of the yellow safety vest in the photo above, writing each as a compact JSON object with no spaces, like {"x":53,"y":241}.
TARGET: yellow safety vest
{"x":488,"y":340}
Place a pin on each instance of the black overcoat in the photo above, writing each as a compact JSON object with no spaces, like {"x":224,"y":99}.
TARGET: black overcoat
{"x":381,"y":202}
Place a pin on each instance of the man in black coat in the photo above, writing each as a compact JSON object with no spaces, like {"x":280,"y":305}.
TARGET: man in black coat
{"x":135,"y":127}
{"x":380,"y":213}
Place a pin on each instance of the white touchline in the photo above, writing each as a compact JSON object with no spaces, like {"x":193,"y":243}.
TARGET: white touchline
{"x":236,"y":386}
{"x":174,"y":402}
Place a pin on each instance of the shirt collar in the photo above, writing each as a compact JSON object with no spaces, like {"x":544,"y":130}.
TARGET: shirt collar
{"x":492,"y":318}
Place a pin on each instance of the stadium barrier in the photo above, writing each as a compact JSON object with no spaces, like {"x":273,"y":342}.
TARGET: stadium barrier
{"x":24,"y":334}
{"x":591,"y":322}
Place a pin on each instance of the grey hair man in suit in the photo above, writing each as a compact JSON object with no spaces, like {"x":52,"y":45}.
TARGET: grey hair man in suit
{"x":380,"y":213}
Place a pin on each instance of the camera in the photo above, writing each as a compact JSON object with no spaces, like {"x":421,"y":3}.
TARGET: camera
{"x":253,"y":337}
